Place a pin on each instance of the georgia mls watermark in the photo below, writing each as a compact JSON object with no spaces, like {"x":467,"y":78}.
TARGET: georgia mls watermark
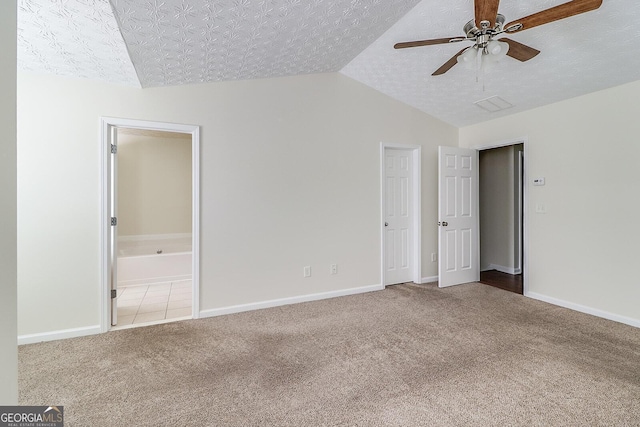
{"x":31,"y":416}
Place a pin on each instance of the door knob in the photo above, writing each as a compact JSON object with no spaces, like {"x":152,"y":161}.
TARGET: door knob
{"x":386,"y":224}
{"x":445,"y":223}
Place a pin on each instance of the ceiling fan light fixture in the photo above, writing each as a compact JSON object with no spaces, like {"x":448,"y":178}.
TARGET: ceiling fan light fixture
{"x":493,"y":52}
{"x":469,"y":57}
{"x":497,"y":50}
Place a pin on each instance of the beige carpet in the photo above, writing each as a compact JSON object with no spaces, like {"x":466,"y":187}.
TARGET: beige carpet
{"x":410,"y":355}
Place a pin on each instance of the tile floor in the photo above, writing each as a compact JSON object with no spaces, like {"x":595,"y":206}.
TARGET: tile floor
{"x":153,"y":302}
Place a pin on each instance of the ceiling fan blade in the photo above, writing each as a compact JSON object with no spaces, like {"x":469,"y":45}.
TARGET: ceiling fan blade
{"x":449,"y":64}
{"x":417,"y":43}
{"x":574,"y":7}
{"x":486,"y":10}
{"x":520,"y":51}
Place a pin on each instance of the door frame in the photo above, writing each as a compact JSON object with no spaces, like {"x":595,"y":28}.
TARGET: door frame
{"x":416,"y":159}
{"x":106,"y":124}
{"x":525,"y":201}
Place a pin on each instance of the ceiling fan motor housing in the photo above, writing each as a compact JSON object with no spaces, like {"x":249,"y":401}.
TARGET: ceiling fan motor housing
{"x":473,"y":32}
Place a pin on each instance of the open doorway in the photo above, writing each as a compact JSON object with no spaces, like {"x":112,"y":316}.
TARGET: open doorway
{"x":150,"y":203}
{"x":154,"y":226}
{"x":501,"y":205}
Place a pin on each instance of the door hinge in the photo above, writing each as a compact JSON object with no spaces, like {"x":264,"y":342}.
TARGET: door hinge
{"x":114,"y":293}
{"x":114,"y":149}
{"x":114,"y":220}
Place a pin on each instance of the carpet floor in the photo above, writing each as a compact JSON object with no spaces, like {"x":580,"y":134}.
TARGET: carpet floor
{"x":411,"y":355}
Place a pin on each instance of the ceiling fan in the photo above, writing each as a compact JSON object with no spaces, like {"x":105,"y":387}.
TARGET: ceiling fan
{"x":488,"y":24}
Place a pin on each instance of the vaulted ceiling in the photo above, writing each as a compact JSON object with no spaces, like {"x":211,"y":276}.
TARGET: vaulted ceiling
{"x":148,"y":43}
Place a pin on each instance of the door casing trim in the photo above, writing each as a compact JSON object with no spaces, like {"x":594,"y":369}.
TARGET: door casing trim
{"x":106,"y":123}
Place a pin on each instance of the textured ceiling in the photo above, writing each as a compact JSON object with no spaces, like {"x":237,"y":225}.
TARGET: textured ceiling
{"x":580,"y":54}
{"x":76,"y":38}
{"x":171,"y":42}
{"x":174,"y":42}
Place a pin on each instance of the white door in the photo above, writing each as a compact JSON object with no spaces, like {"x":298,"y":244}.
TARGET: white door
{"x":398,"y":216}
{"x":113,"y":218}
{"x":458,"y":235}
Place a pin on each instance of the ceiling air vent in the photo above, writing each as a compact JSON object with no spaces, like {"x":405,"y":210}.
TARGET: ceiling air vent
{"x":493,"y":104}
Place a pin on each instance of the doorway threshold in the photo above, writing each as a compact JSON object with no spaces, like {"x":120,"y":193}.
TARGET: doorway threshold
{"x":155,"y":322}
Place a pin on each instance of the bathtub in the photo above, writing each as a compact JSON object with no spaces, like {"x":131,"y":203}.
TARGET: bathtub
{"x":154,"y":259}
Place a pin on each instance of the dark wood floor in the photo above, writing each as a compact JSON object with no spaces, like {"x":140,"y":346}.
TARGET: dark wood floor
{"x":508,"y":282}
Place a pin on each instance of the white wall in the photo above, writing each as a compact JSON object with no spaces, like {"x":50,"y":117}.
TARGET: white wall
{"x":8,"y":261}
{"x":583,"y":251}
{"x":154,"y":183}
{"x":289,"y":177}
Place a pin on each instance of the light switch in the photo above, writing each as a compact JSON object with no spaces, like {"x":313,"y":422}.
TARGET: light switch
{"x":538,"y":181}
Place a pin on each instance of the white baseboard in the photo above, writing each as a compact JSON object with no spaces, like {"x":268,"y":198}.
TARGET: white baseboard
{"x":584,"y":309}
{"x":93,"y":330}
{"x":59,"y":335}
{"x":286,"y":301}
{"x":503,"y":269}
{"x":430,"y":279}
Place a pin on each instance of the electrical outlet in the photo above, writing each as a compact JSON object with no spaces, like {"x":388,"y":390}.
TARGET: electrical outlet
{"x":307,"y":271}
{"x":334,"y":269}
{"x":434,"y":257}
